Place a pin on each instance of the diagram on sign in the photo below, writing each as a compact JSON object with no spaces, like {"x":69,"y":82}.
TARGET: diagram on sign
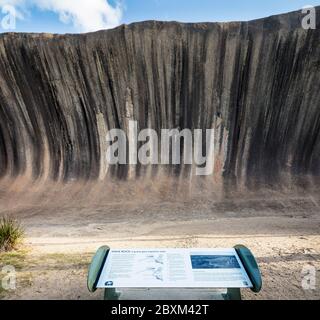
{"x":152,"y":266}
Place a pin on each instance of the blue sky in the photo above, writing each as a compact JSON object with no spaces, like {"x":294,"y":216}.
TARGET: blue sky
{"x":72,"y":16}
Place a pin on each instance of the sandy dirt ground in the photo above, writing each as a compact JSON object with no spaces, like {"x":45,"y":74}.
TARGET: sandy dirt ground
{"x":282,"y":231}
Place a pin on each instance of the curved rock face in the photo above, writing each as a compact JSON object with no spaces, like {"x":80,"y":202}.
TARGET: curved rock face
{"x":256,"y":83}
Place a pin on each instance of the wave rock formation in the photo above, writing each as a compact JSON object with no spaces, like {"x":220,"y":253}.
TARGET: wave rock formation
{"x":256,"y":83}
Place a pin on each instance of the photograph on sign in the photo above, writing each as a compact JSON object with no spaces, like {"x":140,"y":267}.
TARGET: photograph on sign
{"x":214,"y":262}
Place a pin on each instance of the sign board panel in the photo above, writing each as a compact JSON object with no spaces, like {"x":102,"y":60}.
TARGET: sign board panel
{"x":173,"y":268}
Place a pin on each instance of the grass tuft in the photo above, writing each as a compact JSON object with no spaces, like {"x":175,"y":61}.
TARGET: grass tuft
{"x":11,"y":234}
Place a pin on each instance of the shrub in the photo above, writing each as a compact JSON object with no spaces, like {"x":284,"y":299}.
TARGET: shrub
{"x":11,"y":233}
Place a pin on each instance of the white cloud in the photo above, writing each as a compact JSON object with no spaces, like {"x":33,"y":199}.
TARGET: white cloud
{"x":85,"y":15}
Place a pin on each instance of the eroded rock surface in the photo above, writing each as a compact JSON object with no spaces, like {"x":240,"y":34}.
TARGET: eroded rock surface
{"x":257,"y":83}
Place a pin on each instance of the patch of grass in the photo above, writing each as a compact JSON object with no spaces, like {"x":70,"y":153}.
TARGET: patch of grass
{"x":17,"y":259}
{"x":11,"y":234}
{"x":70,"y":260}
{"x":31,"y":266}
{"x":14,"y":258}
